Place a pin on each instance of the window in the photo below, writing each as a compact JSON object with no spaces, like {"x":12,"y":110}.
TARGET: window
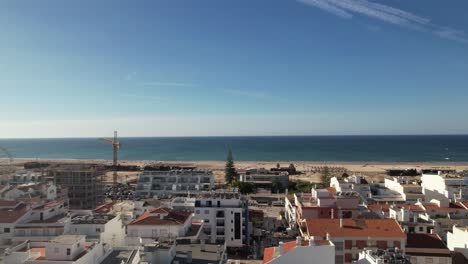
{"x":197,"y":211}
{"x":6,"y":230}
{"x":68,"y":252}
{"x":207,"y":211}
{"x":56,"y":250}
{"x":428,"y":260}
{"x":421,"y":228}
{"x":98,"y":230}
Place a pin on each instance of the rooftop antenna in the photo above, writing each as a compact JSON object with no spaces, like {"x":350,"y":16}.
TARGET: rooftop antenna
{"x":116,"y":146}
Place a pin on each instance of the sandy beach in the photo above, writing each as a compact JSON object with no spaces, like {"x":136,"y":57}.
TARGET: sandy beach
{"x":310,"y":169}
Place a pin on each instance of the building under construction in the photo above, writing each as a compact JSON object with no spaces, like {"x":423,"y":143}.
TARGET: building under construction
{"x":84,"y":183}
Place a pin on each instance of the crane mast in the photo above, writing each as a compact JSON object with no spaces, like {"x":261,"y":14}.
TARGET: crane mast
{"x":116,"y":146}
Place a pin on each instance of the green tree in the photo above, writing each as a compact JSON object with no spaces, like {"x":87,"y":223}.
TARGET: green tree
{"x":230,"y":170}
{"x":244,"y":187}
{"x":326,"y":176}
{"x":276,"y":187}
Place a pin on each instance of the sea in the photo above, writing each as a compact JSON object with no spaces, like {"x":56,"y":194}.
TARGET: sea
{"x":453,"y":148}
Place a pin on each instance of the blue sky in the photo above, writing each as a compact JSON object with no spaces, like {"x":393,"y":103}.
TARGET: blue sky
{"x":195,"y":68}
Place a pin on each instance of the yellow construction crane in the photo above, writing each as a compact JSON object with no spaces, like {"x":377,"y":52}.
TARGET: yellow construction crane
{"x":116,"y":145}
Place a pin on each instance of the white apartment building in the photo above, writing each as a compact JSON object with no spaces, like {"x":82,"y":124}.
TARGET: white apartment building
{"x":354,"y":183}
{"x":27,"y":176}
{"x":106,"y":228}
{"x":442,"y":185}
{"x":65,"y":249}
{"x":158,"y":223}
{"x":457,"y":240}
{"x":408,"y":189}
{"x":225,"y":216}
{"x":165,"y":183}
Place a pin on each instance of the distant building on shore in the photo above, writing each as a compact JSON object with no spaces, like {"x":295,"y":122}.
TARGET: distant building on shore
{"x":173,"y":182}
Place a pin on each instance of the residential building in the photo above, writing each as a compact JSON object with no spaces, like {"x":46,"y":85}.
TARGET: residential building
{"x":158,"y":223}
{"x":351,"y":236}
{"x":390,"y":256}
{"x":66,"y":249}
{"x":406,"y":187}
{"x":457,"y":240}
{"x":300,"y":251}
{"x":427,"y":248}
{"x":165,"y":183}
{"x":225,"y":215}
{"x":356,"y":183}
{"x":264,"y":178}
{"x":441,"y":184}
{"x":106,"y":228}
{"x":27,"y":177}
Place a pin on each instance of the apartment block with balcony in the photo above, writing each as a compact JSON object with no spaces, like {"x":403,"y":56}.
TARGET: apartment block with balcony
{"x":225,"y":216}
{"x":165,"y":183}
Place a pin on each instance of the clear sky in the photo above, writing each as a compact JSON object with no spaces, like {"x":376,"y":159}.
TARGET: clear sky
{"x":253,"y":67}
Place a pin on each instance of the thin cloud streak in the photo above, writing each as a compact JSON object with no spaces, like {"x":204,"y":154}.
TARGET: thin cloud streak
{"x":347,"y":8}
{"x":166,"y":84}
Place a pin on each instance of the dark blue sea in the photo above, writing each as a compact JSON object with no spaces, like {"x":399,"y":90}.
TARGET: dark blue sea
{"x":297,"y":148}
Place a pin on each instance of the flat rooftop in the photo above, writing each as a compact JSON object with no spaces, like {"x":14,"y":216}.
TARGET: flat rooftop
{"x":209,"y":255}
{"x":67,"y":239}
{"x":118,"y":256}
{"x":92,"y":219}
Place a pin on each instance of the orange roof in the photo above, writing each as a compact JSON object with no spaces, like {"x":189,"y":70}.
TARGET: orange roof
{"x":169,"y":217}
{"x":12,"y":215}
{"x":379,"y":207}
{"x":435,"y":207}
{"x":4,"y":203}
{"x":331,"y":189}
{"x":268,"y":254}
{"x":104,"y":208}
{"x":355,"y":228}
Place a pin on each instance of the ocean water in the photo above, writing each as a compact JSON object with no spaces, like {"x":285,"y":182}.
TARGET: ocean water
{"x":297,"y":148}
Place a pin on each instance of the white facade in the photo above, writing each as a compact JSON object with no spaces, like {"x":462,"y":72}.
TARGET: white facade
{"x":457,"y":240}
{"x":61,"y":250}
{"x":108,"y":229}
{"x":164,"y":183}
{"x":224,"y":218}
{"x":440,"y":186}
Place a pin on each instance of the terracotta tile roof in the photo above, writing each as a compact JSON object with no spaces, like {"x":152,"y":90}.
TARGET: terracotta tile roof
{"x":355,"y":228}
{"x":415,"y":240}
{"x":435,"y":207}
{"x":379,"y":207}
{"x":268,"y":254}
{"x":169,"y":217}
{"x":10,"y":204}
{"x":331,"y":189}
{"x":104,"y":208}
{"x":12,"y":215}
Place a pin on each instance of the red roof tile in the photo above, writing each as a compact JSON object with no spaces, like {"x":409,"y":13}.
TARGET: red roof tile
{"x":12,"y":215}
{"x":415,"y":240}
{"x":355,"y":228}
{"x":4,"y":203}
{"x":268,"y":254}
{"x":104,"y":208}
{"x":153,"y":217}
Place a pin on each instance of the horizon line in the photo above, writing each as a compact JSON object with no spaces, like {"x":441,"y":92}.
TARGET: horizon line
{"x":241,"y":136}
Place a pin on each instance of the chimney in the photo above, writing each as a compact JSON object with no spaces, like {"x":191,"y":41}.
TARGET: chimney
{"x":311,"y":242}
{"x":298,"y":241}
{"x":281,"y":248}
{"x":189,"y":256}
{"x":327,"y":236}
{"x":341,"y":222}
{"x":332,"y":213}
{"x":202,"y":245}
